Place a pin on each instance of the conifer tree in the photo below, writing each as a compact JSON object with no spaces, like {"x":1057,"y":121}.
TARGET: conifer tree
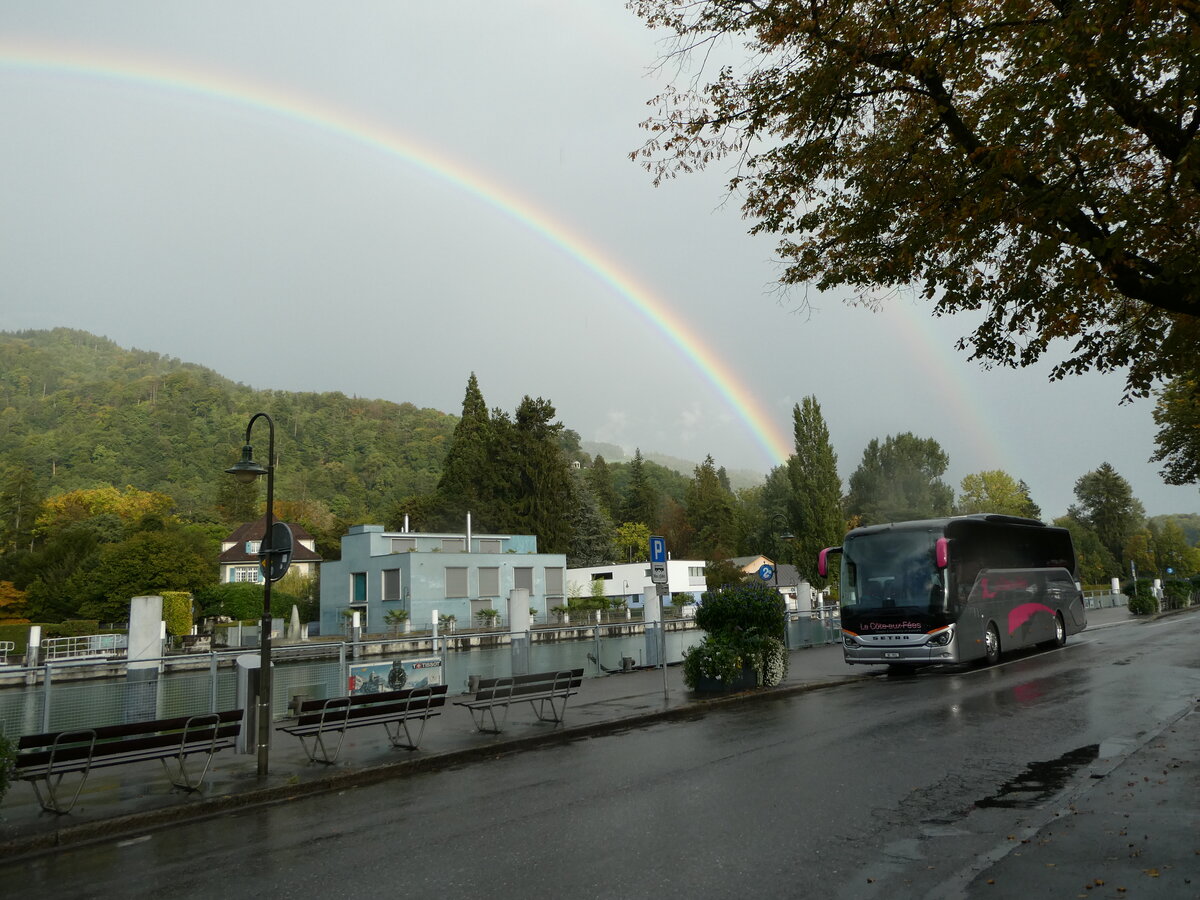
{"x":641,"y":500}
{"x":710,"y":513}
{"x":469,"y":477}
{"x":815,"y":506}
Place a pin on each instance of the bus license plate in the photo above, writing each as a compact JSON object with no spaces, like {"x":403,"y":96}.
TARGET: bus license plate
{"x":891,"y":656}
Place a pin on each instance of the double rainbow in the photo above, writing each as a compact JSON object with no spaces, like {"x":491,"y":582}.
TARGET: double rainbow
{"x":50,"y":60}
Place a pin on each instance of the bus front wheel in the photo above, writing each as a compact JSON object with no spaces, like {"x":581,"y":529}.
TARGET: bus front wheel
{"x":1060,"y":631}
{"x":991,"y":643}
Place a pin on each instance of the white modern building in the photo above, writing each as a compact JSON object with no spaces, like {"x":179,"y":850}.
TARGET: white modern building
{"x":628,"y":581}
{"x":458,"y":575}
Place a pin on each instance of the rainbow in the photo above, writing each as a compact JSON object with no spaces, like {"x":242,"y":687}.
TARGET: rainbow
{"x":42,"y":59}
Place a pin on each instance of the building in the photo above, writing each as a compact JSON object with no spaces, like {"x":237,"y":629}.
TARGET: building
{"x":239,"y":552}
{"x":797,"y":594}
{"x":627,"y":581}
{"x":457,"y":575}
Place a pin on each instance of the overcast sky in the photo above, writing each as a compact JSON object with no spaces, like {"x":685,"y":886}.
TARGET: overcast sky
{"x":379,"y":198}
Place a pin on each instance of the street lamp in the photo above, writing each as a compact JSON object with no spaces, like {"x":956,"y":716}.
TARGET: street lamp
{"x":779,"y":519}
{"x":245,"y":471}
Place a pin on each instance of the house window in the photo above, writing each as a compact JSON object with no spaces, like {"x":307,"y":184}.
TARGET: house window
{"x":489,"y":545}
{"x":251,"y":574}
{"x":554,"y":581}
{"x":391,"y":584}
{"x":252,"y":547}
{"x":523,"y":577}
{"x":602,"y":576}
{"x":358,"y":587}
{"x":403,"y":545}
{"x":489,"y":581}
{"x":695,"y":571}
{"x":453,"y":545}
{"x":456,"y":581}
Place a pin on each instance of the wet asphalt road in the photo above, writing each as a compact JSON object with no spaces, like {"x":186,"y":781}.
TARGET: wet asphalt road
{"x":894,"y":787}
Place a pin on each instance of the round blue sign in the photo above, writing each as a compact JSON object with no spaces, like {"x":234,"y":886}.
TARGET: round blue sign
{"x":766,"y":572}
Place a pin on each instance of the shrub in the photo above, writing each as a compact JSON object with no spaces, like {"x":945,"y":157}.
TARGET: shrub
{"x":749,"y":606}
{"x":177,"y":612}
{"x":745,"y":626}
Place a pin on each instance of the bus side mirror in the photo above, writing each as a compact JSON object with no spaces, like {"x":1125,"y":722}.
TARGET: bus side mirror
{"x":823,"y":560}
{"x":941,"y":552}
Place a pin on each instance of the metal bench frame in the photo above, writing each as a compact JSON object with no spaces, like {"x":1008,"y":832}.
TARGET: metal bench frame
{"x":391,"y":709}
{"x":538,"y":690}
{"x":45,"y":759}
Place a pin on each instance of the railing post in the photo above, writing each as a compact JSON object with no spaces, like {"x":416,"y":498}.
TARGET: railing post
{"x":212,"y":676}
{"x":46,"y":700}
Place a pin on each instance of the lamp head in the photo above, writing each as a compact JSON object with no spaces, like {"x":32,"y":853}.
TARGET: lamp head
{"x":246,"y":470}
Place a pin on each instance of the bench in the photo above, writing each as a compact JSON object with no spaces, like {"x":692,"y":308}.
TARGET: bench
{"x":391,"y":709}
{"x":538,"y":690}
{"x":43,"y":759}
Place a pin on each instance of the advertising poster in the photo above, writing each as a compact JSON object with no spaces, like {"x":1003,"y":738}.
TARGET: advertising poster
{"x":395,"y":675}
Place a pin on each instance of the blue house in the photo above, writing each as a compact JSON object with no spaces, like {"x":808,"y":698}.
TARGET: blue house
{"x":455,"y":574}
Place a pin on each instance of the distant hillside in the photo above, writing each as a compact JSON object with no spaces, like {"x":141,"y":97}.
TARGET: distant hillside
{"x":80,"y":411}
{"x":612,"y":453}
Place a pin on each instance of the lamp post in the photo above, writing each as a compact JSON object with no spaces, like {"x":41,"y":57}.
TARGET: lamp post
{"x":245,"y":471}
{"x":779,"y":520}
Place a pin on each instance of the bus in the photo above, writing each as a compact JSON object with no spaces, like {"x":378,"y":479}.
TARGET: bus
{"x":955,"y":590}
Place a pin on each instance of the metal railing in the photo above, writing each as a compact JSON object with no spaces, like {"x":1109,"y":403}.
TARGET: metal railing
{"x":89,"y":646}
{"x":79,"y":693}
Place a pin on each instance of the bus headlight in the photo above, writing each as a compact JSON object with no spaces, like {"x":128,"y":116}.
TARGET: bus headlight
{"x":849,"y":642}
{"x":942,"y":638}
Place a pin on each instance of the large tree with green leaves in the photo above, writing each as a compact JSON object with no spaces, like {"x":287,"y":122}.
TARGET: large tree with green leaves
{"x":995,"y":491}
{"x":1177,"y":415}
{"x":1033,"y":160}
{"x":537,"y":494}
{"x":1096,"y":563}
{"x":900,"y":479}
{"x":1106,"y":503}
{"x":815,"y":505}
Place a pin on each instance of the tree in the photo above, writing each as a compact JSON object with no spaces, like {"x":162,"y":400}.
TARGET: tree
{"x":995,"y":491}
{"x":1177,"y":415}
{"x":1096,"y":564}
{"x":719,"y":573}
{"x":1036,"y":162}
{"x":129,"y":506}
{"x":641,"y":501}
{"x":815,"y":505}
{"x":538,"y":490}
{"x":599,"y":479}
{"x":900,"y":480}
{"x":12,"y":604}
{"x":20,"y":503}
{"x":592,"y":536}
{"x":1106,"y":503}
{"x":633,"y":541}
{"x":470,"y":479}
{"x":148,"y":562}
{"x":710,"y":513}
{"x":1172,"y":554}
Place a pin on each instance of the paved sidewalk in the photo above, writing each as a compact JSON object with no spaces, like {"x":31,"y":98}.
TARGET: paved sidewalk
{"x":125,"y":799}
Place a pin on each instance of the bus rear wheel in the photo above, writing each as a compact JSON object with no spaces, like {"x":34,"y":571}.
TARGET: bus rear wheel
{"x":1060,"y":631}
{"x":991,"y":643}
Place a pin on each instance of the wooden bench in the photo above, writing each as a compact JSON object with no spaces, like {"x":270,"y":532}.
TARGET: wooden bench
{"x":43,"y":759}
{"x":539,"y":690}
{"x":391,"y":709}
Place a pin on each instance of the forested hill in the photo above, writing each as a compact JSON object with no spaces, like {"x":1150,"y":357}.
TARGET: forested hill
{"x":79,"y":412}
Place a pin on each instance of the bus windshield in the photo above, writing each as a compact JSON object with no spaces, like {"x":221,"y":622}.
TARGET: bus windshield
{"x":894,"y":571}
